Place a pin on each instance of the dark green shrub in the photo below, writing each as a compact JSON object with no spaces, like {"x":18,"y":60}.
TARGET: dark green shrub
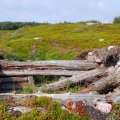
{"x":116,"y":20}
{"x":13,"y":57}
{"x":27,"y":89}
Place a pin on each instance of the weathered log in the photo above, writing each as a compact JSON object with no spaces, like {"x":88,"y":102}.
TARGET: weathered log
{"x":58,"y":64}
{"x":73,"y":80}
{"x":88,"y":98}
{"x":107,"y":82}
{"x":13,"y":73}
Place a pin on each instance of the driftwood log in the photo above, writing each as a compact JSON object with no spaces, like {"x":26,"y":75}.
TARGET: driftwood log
{"x":88,"y":98}
{"x":73,"y":80}
{"x":58,"y":64}
{"x":4,"y":73}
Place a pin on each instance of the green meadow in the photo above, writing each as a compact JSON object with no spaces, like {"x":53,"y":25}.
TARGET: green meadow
{"x":63,"y":41}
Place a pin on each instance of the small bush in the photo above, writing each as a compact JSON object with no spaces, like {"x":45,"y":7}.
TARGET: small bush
{"x":43,"y":101}
{"x":27,"y":89}
{"x":5,"y":115}
{"x":13,"y":57}
{"x":32,"y":115}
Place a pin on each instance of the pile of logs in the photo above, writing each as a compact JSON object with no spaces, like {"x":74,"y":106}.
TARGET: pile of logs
{"x":99,"y":75}
{"x":100,"y":71}
{"x":22,"y":72}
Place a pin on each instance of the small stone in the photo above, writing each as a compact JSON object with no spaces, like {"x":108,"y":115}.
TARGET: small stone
{"x":101,"y":39}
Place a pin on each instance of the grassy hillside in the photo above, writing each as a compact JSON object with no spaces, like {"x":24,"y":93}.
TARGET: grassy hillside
{"x":58,"y":41}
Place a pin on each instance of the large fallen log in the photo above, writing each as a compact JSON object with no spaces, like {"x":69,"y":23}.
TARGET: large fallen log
{"x":13,"y":73}
{"x":88,"y":98}
{"x":55,"y":64}
{"x":106,"y":82}
{"x":61,"y":84}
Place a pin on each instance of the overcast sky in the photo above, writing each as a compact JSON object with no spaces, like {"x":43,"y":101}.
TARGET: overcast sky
{"x":59,"y":10}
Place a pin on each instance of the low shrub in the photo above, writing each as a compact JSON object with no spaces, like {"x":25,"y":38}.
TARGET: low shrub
{"x":53,"y":112}
{"x":13,"y":57}
{"x":27,"y":89}
{"x":43,"y":101}
{"x":32,"y":115}
{"x":4,"y":115}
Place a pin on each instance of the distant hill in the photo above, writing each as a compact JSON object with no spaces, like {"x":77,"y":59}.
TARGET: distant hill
{"x":57,"y":41}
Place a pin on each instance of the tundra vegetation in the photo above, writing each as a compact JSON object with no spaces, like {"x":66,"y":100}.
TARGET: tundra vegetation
{"x":53,"y":111}
{"x":62,"y":41}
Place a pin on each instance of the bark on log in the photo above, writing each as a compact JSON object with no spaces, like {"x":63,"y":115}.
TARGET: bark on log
{"x":103,"y":83}
{"x":14,"y":73}
{"x":73,"y":80}
{"x":58,"y":64}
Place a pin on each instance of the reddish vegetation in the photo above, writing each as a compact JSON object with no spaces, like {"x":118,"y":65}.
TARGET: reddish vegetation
{"x":77,"y":107}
